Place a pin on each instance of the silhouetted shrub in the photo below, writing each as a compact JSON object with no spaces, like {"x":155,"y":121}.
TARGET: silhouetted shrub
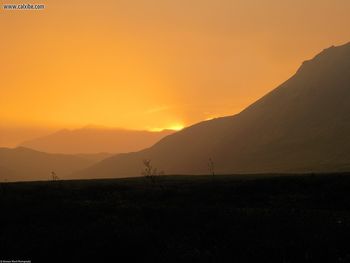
{"x":150,"y":172}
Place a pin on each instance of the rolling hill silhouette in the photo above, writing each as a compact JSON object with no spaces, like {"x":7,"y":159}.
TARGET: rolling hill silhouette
{"x":22,"y":164}
{"x":301,"y":126}
{"x":94,"y":139}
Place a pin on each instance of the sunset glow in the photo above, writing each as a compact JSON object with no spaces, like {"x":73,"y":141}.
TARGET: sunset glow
{"x":146,"y":65}
{"x":174,"y":127}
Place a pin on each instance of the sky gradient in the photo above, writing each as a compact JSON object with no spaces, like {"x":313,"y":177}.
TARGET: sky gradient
{"x":153,"y":64}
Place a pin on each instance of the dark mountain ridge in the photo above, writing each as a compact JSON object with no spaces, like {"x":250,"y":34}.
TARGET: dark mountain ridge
{"x":301,"y":126}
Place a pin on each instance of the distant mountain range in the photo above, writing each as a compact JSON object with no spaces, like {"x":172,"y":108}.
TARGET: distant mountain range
{"x":93,"y":139}
{"x":22,"y":164}
{"x":301,"y":126}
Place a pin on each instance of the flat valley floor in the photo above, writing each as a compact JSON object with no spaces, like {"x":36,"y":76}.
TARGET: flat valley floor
{"x":251,"y":218}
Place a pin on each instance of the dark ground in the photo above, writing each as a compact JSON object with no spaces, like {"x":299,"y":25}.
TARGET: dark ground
{"x":180,"y":219}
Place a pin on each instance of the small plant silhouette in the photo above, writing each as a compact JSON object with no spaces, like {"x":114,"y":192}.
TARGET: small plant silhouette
{"x":151,"y":172}
{"x":211,"y":167}
{"x":54,"y":176}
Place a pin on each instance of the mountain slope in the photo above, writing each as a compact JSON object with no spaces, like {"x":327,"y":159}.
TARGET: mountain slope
{"x":95,"y":140}
{"x":302,"y":126}
{"x":21,"y":164}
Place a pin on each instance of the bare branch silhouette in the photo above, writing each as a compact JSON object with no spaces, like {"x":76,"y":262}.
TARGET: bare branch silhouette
{"x":211,"y":167}
{"x":54,"y":176}
{"x":151,"y":172}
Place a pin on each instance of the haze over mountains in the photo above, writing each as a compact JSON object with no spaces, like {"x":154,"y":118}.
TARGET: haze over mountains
{"x":94,"y":139}
{"x":301,"y":126}
{"x":22,"y":164}
{"x":68,"y":151}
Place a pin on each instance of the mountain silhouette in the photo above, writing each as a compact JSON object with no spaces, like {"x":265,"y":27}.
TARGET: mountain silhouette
{"x":22,"y":164}
{"x":301,"y":126}
{"x":94,"y":139}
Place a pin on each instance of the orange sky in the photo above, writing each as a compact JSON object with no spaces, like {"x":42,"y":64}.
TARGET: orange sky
{"x":153,"y":64}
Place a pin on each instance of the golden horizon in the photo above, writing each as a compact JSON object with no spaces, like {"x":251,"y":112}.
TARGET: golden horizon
{"x":156,"y":66}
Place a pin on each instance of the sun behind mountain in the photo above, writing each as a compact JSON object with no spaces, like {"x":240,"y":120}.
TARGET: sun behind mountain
{"x":173,"y":127}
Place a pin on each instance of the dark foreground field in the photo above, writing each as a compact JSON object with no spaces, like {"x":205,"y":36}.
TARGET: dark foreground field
{"x":180,"y":219}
